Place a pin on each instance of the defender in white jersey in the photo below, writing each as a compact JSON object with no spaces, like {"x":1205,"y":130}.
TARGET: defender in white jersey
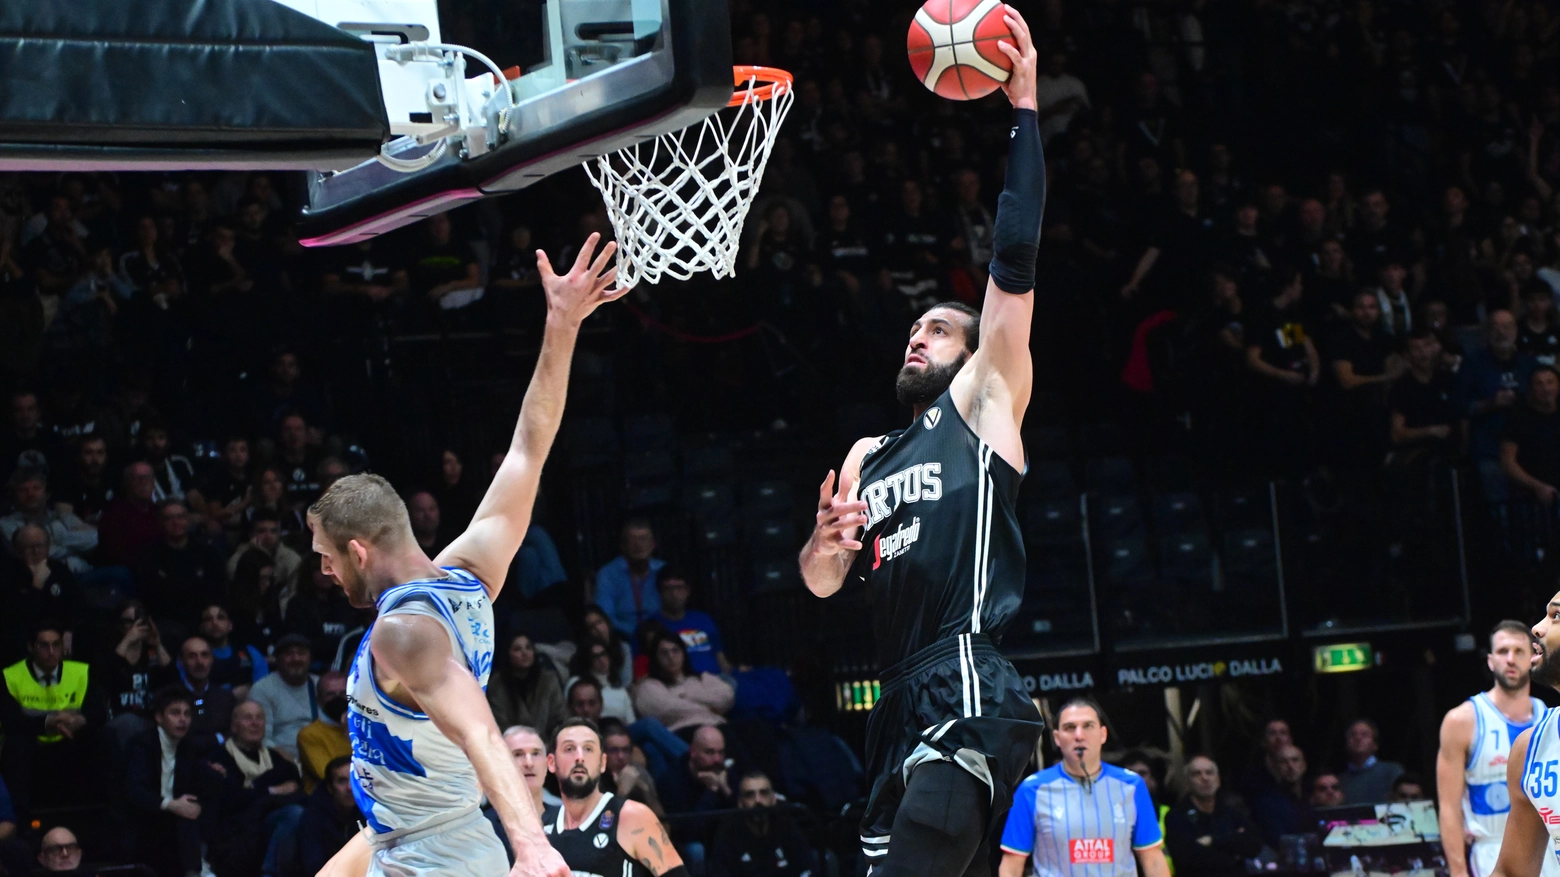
{"x":1532,"y":837}
{"x":425,"y":748}
{"x":1476,"y":739}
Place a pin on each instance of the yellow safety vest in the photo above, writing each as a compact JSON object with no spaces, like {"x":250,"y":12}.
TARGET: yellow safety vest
{"x":67,"y":695}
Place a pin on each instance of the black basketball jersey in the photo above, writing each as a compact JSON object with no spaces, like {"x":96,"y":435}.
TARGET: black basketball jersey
{"x":942,"y":552}
{"x":592,"y":849}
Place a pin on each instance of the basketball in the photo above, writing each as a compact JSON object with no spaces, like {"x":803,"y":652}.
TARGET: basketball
{"x":953,"y":47}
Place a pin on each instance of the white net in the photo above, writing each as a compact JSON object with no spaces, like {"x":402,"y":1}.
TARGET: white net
{"x":677,"y":203}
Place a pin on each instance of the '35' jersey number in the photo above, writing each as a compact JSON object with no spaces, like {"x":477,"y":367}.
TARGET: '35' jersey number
{"x":1543,"y":779}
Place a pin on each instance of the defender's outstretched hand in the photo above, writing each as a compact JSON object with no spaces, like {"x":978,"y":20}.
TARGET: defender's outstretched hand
{"x":838,"y":517}
{"x":1020,"y":86}
{"x":587,"y":286}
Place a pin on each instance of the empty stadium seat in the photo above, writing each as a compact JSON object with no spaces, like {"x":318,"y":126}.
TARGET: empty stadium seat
{"x":1185,"y":556}
{"x":1114,"y":517}
{"x":1125,"y":562}
{"x":1249,"y":553}
{"x":1053,"y":520}
{"x":766,"y":496}
{"x":1175,"y":512}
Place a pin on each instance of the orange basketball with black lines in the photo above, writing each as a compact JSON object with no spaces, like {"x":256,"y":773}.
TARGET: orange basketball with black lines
{"x":953,"y":47}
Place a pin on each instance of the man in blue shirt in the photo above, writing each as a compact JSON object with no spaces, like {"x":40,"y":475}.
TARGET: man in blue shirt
{"x":1082,"y":818}
{"x":696,"y":629}
{"x":625,"y":587}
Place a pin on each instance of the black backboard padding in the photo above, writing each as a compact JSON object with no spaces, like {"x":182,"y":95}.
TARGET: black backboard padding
{"x":229,"y":80}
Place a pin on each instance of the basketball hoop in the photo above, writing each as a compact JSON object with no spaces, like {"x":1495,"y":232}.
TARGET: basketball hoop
{"x":677,"y":203}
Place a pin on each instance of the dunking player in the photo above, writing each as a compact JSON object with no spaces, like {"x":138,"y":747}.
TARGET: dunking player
{"x":1476,"y":738}
{"x":424,"y":744}
{"x":954,"y":729}
{"x":1532,"y":837}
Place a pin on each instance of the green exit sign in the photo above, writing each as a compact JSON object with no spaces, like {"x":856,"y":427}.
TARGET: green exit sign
{"x":1343,"y":657}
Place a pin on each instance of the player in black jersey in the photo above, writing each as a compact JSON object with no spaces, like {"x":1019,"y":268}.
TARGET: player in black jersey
{"x":598,"y":833}
{"x":926,"y":516}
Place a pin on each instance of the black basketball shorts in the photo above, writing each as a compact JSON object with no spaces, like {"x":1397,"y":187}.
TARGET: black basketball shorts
{"x":957,"y":700}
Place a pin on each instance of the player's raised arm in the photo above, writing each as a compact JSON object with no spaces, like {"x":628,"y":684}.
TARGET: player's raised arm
{"x":1009,"y":304}
{"x":414,"y":652}
{"x":496,"y":531}
{"x":1451,"y":782}
{"x":1526,"y":842}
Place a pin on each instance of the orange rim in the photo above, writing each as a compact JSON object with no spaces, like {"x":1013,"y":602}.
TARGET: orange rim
{"x":762,"y":83}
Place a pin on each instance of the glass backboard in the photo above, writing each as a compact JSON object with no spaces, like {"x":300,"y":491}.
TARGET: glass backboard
{"x":614,"y":72}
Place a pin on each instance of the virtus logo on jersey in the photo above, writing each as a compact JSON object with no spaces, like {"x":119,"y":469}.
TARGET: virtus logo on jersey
{"x":891,"y":545}
{"x":931,"y":417}
{"x":1092,"y":850}
{"x":917,"y":483}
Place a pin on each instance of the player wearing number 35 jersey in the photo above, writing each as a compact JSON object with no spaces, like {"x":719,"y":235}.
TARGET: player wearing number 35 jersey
{"x":1532,"y":836}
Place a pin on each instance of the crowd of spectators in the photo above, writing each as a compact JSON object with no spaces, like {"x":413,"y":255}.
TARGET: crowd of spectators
{"x":1213,"y":828}
{"x":197,"y":728}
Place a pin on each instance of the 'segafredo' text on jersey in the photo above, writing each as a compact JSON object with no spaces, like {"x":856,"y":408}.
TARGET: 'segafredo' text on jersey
{"x":942,"y":551}
{"x":891,"y":545}
{"x":1541,"y":776}
{"x":1485,"y":799}
{"x":405,"y":772}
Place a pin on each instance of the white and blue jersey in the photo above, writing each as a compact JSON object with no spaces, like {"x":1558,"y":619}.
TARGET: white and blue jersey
{"x":1541,"y":780}
{"x":1486,"y":801}
{"x":405,"y":772}
{"x":1076,"y":830}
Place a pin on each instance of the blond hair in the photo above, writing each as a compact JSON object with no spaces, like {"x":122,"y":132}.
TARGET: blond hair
{"x":361,"y":507}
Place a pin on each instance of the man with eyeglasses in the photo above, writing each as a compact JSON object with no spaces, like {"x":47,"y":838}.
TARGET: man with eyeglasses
{"x":60,"y":851}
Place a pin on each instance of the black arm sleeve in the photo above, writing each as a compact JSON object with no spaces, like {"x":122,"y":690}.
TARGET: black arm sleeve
{"x":1016,"y":237}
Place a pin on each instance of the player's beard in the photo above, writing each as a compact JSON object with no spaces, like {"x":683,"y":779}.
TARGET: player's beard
{"x":1546,"y":672}
{"x":577,"y":790}
{"x":355,"y":586}
{"x":923,"y":387}
{"x":1513,"y":687}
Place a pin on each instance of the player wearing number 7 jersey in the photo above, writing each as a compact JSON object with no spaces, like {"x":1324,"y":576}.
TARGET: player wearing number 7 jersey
{"x":1532,"y":838}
